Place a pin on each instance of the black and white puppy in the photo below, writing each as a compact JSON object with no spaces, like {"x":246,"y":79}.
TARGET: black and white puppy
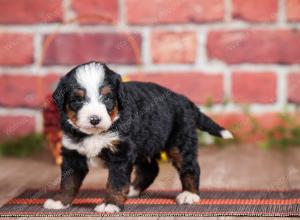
{"x":126,"y":125}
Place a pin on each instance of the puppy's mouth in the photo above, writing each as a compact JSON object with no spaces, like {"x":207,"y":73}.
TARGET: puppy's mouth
{"x":93,"y":129}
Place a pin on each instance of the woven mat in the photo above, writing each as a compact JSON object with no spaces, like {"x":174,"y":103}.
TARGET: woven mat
{"x":162,"y":203}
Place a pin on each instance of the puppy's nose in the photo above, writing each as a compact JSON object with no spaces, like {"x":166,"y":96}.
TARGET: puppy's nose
{"x":94,"y":120}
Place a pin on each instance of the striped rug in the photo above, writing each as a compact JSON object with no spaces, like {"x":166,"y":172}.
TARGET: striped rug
{"x":281,"y":203}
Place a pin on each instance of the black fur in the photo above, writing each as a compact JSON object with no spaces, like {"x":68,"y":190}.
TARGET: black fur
{"x":152,"y":119}
{"x":73,"y":171}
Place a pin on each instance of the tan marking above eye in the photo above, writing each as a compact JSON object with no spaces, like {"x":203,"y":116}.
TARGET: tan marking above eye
{"x":105,"y":90}
{"x":79,"y":92}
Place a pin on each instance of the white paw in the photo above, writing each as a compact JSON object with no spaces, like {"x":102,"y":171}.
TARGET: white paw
{"x":226,"y":134}
{"x":133,"y":192}
{"x":107,"y":208}
{"x":51,"y":204}
{"x":187,"y":198}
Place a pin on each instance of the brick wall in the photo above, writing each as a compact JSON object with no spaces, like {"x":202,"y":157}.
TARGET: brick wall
{"x":241,"y":51}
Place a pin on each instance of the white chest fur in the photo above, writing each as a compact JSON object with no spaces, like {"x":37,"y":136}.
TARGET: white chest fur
{"x":91,"y":146}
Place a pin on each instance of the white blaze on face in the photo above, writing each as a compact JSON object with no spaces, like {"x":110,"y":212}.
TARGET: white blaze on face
{"x":90,"y":77}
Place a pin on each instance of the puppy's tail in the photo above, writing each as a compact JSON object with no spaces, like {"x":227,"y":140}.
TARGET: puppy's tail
{"x":205,"y":123}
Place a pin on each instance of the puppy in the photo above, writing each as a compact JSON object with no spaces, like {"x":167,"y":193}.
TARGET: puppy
{"x":126,"y":125}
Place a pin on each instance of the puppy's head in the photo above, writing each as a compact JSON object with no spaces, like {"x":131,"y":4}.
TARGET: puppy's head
{"x":87,"y":97}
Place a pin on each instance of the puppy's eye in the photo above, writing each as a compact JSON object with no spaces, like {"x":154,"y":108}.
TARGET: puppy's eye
{"x":75,"y":103}
{"x":77,"y":100}
{"x":108,"y":101}
{"x":107,"y":98}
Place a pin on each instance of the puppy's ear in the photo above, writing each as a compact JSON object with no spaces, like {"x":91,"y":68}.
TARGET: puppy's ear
{"x":113,"y":77}
{"x":59,"y":94}
{"x":116,"y":80}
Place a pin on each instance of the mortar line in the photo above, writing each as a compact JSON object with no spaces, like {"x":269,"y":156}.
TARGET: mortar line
{"x":99,"y":28}
{"x":281,"y":16}
{"x":228,"y":10}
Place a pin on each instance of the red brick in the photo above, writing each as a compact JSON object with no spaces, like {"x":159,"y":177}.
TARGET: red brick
{"x":173,"y":47}
{"x":293,"y":10}
{"x":96,"y":11}
{"x":254,"y":87}
{"x":16,"y":49}
{"x":200,"y":88}
{"x":30,"y":11}
{"x":24,"y":90}
{"x":294,"y":87}
{"x":255,"y":46}
{"x":255,"y":10}
{"x":50,"y":81}
{"x":16,"y":125}
{"x":70,"y":49}
{"x":174,"y":11}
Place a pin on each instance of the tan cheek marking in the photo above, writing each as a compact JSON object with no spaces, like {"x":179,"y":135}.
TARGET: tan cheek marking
{"x":105,"y":90}
{"x":71,"y":114}
{"x":114,"y":113}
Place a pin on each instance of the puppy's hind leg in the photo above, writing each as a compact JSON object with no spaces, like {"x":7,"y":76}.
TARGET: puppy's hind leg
{"x":145,"y":174}
{"x":185,"y":161}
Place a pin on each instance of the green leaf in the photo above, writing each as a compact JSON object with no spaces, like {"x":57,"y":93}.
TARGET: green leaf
{"x":22,"y":146}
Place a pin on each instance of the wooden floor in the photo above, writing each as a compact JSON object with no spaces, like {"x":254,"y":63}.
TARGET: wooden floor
{"x":233,"y":167}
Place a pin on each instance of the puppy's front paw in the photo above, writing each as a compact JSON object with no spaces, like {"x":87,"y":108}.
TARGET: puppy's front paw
{"x":187,"y":197}
{"x":51,"y":204}
{"x":104,"y":207}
